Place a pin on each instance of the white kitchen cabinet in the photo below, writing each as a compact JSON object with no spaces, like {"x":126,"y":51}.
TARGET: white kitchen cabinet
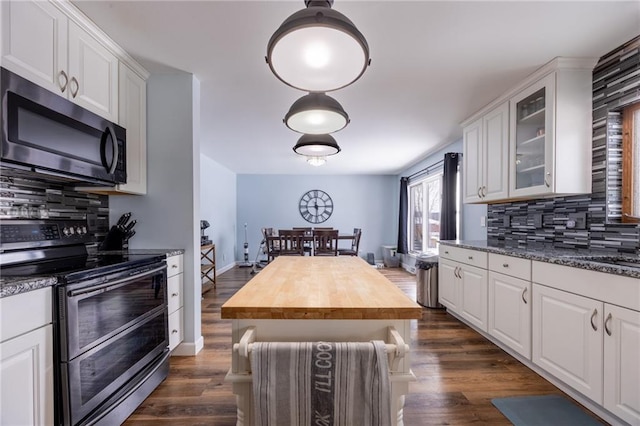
{"x":462,"y":285}
{"x":486,"y":159}
{"x":510,"y":312}
{"x":26,"y":359}
{"x":42,"y":44}
{"x":622,"y":363}
{"x":133,"y":117}
{"x":175,"y":300}
{"x":550,"y":134}
{"x":568,"y":339}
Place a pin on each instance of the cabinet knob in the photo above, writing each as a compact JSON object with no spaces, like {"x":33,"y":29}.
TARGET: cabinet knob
{"x":470,"y":257}
{"x":446,"y":252}
{"x":174,"y":294}
{"x":505,"y":265}
{"x":174,"y":266}
{"x":174,"y":331}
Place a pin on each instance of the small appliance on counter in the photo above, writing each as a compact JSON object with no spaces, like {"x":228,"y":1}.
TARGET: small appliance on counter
{"x":119,"y":235}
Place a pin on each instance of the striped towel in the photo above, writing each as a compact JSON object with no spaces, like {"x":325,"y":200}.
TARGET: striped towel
{"x":321,"y":383}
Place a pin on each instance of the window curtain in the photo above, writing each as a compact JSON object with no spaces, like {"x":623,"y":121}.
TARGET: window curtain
{"x":402,"y":245}
{"x":448,"y":212}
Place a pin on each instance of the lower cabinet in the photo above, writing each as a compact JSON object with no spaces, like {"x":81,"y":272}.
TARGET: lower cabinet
{"x":26,"y":359}
{"x":473,"y":290}
{"x":622,"y":362}
{"x":448,"y":284}
{"x":568,"y":338}
{"x":510,"y":312}
{"x":175,"y":300}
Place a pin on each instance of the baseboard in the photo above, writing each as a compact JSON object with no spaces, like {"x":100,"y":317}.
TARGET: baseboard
{"x":225,"y":268}
{"x":189,"y":348}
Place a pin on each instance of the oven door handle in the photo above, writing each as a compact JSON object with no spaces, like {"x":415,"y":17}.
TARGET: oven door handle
{"x":112,"y":285}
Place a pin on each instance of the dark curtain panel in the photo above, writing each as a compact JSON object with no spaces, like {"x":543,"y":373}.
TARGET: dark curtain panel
{"x":449,"y":196}
{"x":404,"y":212}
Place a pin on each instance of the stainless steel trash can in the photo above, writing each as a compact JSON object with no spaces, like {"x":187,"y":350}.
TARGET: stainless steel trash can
{"x":427,"y":282}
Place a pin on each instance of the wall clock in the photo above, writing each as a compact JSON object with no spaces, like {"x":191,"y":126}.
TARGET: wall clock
{"x":315,"y":206}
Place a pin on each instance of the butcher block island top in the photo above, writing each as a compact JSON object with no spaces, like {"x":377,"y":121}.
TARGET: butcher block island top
{"x":313,"y":287}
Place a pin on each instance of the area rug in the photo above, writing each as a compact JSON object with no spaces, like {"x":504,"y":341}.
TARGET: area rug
{"x":543,"y":410}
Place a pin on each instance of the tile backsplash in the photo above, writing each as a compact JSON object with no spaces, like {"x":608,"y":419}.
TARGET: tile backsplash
{"x":25,"y":197}
{"x":594,"y":218}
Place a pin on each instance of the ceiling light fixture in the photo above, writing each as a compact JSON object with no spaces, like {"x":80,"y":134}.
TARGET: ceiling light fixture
{"x":316,"y":114}
{"x":316,"y":161}
{"x":318,"y":49}
{"x":316,"y":146}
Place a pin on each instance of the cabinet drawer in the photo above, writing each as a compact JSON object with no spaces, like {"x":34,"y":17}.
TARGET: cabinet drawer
{"x":509,"y":265}
{"x":176,"y":329}
{"x":25,"y":312}
{"x":462,"y":255}
{"x":174,"y":265}
{"x":175,"y":297}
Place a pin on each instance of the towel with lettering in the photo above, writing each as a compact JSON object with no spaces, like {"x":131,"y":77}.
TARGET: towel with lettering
{"x":321,"y":383}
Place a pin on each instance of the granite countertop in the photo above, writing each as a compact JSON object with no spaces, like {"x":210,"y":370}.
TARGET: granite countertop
{"x":573,"y":258}
{"x":10,"y":286}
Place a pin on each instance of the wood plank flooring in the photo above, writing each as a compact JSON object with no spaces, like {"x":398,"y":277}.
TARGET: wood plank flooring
{"x":458,"y":370}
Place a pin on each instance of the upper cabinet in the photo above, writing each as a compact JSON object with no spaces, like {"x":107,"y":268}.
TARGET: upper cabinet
{"x":535,"y":140}
{"x":43,"y":45}
{"x":486,"y":159}
{"x":52,"y":44}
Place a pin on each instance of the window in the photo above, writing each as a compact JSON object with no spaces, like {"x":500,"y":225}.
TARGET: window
{"x":631,"y":164}
{"x":424,"y":213}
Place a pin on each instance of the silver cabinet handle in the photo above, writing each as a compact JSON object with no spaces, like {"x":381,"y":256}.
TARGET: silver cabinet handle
{"x":174,"y":331}
{"x":606,"y":322}
{"x":74,"y":93}
{"x":174,"y":294}
{"x":484,"y":191}
{"x":63,"y":87}
{"x":480,"y":192}
{"x":505,"y":265}
{"x":593,"y":315}
{"x":470,"y":257}
{"x":174,"y":266}
{"x":524,"y":291}
{"x":455,"y":272}
{"x":446,"y":252}
{"x":546,"y":182}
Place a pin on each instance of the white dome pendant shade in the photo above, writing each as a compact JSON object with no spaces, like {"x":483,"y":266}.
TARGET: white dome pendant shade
{"x":316,"y":146}
{"x":316,"y":114}
{"x":318,"y":49}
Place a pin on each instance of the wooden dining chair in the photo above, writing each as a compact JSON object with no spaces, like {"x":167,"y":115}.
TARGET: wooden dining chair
{"x":308,"y":238}
{"x":355,"y":244}
{"x":272,"y":243}
{"x":291,"y":242}
{"x":325,"y":242}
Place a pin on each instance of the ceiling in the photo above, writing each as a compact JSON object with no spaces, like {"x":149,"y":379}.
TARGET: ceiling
{"x":433,"y":65}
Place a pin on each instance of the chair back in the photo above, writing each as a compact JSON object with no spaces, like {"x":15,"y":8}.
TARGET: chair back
{"x":272,"y":242}
{"x":326,"y":242}
{"x":355,"y":243}
{"x":291,"y":242}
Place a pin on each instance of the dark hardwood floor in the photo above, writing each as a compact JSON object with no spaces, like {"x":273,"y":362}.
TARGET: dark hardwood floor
{"x":458,"y":370}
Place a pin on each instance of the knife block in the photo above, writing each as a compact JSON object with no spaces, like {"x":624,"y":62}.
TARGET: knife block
{"x":115,"y":240}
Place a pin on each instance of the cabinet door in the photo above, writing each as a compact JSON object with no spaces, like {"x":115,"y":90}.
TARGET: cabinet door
{"x":472,"y":162}
{"x":448,"y":284}
{"x":568,"y":339}
{"x":176,"y":328}
{"x":132,"y":110}
{"x":26,"y":379}
{"x":622,"y":363}
{"x":510,"y":312}
{"x":34,"y":42}
{"x":473,"y":292}
{"x":532,"y":140}
{"x":93,"y":73}
{"x":495,"y":135}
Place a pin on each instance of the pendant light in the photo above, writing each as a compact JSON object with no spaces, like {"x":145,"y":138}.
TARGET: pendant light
{"x":315,"y":114}
{"x":318,"y":49}
{"x":316,"y":146}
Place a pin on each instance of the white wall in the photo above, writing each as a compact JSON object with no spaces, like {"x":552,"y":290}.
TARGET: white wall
{"x":168,"y":216}
{"x":360,"y":201}
{"x":218,"y":207}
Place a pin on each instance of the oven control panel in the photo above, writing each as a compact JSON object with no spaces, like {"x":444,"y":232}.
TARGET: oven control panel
{"x":16,"y":234}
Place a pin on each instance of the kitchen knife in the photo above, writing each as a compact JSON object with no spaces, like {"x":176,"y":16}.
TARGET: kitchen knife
{"x":130,"y":225}
{"x":129,"y":235}
{"x":123,"y":220}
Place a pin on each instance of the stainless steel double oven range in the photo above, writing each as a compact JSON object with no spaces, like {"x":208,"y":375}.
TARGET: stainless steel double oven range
{"x":110,"y":318}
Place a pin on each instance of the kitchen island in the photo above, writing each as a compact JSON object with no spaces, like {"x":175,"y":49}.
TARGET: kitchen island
{"x":340,"y":299}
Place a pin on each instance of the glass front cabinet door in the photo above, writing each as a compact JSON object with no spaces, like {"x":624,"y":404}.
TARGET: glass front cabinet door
{"x":532,"y":139}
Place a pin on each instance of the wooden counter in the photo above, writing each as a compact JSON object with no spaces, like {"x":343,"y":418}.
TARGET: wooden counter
{"x":312,"y":287}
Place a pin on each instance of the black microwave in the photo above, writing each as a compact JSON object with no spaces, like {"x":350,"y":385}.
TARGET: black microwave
{"x":44,"y":133}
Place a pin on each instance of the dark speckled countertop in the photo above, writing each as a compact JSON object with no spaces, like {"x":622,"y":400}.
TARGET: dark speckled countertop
{"x":574,"y":258}
{"x":10,"y":286}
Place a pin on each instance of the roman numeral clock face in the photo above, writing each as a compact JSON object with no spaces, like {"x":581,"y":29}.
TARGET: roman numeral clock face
{"x":316,"y":206}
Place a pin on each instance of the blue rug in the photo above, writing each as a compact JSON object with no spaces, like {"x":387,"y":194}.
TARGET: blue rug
{"x":543,"y":410}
